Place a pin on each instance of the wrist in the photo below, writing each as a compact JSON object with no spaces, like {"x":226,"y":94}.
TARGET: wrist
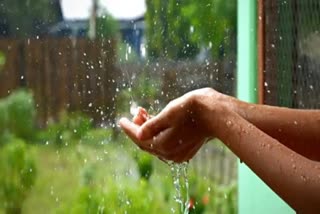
{"x":211,"y":108}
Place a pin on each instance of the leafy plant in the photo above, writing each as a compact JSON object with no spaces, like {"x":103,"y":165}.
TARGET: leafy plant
{"x":70,"y":129}
{"x":107,"y":26}
{"x":88,"y":201}
{"x":168,"y":32}
{"x":177,"y":29}
{"x":145,"y":165}
{"x":97,"y":136}
{"x":207,"y":195}
{"x":17,"y":115}
{"x":17,"y":175}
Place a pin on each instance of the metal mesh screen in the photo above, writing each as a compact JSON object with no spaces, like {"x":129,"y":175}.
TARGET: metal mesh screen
{"x":292,"y":53}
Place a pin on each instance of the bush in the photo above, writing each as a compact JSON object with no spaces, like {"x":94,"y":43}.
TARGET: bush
{"x":107,"y":27}
{"x":18,"y":115}
{"x":97,"y":137}
{"x":17,"y":175}
{"x":70,"y":129}
{"x":208,"y":195}
{"x":135,"y":199}
{"x":88,"y":201}
{"x":145,"y":166}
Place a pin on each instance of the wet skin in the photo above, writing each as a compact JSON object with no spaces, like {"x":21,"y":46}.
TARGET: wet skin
{"x":281,"y":145}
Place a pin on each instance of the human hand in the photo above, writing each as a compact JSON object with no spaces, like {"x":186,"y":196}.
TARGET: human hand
{"x":178,"y":131}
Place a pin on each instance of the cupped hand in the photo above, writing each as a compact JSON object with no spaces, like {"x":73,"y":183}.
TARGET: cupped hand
{"x":177,"y":132}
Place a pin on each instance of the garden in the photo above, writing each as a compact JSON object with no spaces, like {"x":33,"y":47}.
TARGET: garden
{"x":74,"y":166}
{"x":65,"y":83}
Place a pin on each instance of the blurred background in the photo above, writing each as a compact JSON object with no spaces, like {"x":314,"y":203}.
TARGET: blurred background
{"x":70,"y":69}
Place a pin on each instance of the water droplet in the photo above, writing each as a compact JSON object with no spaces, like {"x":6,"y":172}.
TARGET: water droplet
{"x":229,"y":123}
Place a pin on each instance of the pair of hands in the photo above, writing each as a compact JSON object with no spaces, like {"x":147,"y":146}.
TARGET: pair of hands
{"x":179,"y":130}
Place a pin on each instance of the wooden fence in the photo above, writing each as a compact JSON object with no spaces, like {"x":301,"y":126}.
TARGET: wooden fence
{"x":82,"y":75}
{"x":63,"y":74}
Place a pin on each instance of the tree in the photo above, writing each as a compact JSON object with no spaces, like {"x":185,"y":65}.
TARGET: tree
{"x":167,"y":31}
{"x":26,"y":18}
{"x":176,"y":29}
{"x":214,"y":22}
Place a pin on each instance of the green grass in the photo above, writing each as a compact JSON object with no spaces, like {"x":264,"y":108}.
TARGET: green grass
{"x":61,"y":172}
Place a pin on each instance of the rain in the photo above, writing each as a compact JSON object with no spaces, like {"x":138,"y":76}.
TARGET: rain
{"x":69,"y":70}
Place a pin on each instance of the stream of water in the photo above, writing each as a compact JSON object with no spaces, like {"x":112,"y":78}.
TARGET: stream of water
{"x":179,"y":173}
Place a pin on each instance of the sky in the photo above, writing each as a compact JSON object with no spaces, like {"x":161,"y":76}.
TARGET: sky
{"x":119,"y":9}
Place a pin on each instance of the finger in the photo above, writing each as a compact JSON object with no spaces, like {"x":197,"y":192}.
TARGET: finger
{"x":144,"y":114}
{"x":154,"y":125}
{"x":131,"y":129}
{"x":141,"y":117}
{"x":138,"y":120}
{"x":171,"y":114}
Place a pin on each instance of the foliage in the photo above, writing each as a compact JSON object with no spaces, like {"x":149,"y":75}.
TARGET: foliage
{"x":88,"y":201}
{"x":109,"y":180}
{"x":27,"y":18}
{"x":145,"y":165}
{"x":17,"y":116}
{"x":3,"y":59}
{"x":214,"y":22}
{"x":97,"y":136}
{"x":142,"y":92}
{"x":208,"y":195}
{"x":17,"y":175}
{"x":176,"y":29}
{"x":139,"y":198}
{"x":125,"y":53}
{"x":69,"y":129}
{"x":168,"y":33}
{"x":115,"y":197}
{"x":107,"y":27}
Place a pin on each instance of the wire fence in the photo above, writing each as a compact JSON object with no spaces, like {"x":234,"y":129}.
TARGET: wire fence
{"x":292,"y":53}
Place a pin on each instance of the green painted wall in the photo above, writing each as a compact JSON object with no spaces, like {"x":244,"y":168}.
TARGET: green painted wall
{"x":254,"y":195}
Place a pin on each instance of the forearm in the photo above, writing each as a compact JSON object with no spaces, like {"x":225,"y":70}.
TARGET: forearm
{"x":297,"y":129}
{"x":291,"y":176}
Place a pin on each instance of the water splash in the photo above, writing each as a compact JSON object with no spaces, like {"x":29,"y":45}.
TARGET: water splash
{"x":179,"y":172}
